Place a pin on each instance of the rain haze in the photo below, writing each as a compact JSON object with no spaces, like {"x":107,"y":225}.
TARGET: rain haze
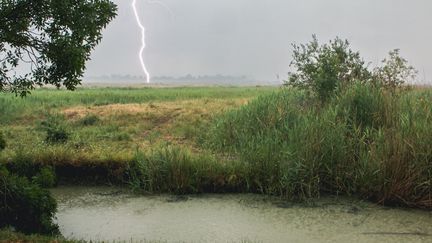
{"x":253,"y":38}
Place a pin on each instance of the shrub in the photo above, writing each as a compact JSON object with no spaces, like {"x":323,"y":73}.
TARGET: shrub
{"x":394,"y":72}
{"x":45,"y":178}
{"x":25,"y":206}
{"x":24,"y":166}
{"x":323,"y":69}
{"x":55,"y":128}
{"x":89,"y":120}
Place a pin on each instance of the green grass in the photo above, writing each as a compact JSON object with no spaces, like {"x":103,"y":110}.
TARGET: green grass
{"x":43,"y":100}
{"x":108,"y":125}
{"x":127,"y":119}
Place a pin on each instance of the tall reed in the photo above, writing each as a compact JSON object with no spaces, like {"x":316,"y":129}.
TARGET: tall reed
{"x":364,"y":142}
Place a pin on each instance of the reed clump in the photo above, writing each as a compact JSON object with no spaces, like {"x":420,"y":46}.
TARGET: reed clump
{"x":365,"y":141}
{"x":177,"y":170}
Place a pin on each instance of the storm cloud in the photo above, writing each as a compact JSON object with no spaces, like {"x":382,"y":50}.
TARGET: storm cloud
{"x":253,"y":37}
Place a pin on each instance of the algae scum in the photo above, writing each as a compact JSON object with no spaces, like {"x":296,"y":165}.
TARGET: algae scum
{"x":115,"y":214}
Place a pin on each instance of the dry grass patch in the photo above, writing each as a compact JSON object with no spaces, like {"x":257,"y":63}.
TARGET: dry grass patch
{"x":174,"y":122}
{"x":201,"y":106}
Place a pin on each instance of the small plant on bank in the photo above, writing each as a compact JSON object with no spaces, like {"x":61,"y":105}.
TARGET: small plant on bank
{"x":45,"y":178}
{"x":55,"y":128}
{"x":22,"y":165}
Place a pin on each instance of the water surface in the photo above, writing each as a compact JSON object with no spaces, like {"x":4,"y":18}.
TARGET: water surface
{"x":114,"y":214}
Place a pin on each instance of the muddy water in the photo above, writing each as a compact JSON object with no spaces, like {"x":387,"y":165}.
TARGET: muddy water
{"x":114,"y":214}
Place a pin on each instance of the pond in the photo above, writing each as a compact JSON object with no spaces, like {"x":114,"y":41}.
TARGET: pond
{"x":116,"y":214}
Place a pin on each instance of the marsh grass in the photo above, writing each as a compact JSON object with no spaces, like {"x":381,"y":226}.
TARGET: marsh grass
{"x":178,"y":170}
{"x":364,"y":142}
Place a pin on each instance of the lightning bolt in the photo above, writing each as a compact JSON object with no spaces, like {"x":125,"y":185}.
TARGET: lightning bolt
{"x":143,"y":41}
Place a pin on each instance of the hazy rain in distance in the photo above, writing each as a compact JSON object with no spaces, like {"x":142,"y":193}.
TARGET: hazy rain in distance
{"x":253,"y":37}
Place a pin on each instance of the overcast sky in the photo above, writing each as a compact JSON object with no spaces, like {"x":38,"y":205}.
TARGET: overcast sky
{"x":253,"y":37}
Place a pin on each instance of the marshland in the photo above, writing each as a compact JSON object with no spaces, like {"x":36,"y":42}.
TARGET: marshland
{"x":366,"y":144}
{"x":336,"y":149}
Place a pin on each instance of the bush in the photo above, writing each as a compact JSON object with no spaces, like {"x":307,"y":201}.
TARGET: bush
{"x":327,"y":69}
{"x":25,"y":206}
{"x":322,"y":69}
{"x":89,"y":120}
{"x":55,"y":128}
{"x":395,"y":71}
{"x":24,"y":166}
{"x":45,"y":178}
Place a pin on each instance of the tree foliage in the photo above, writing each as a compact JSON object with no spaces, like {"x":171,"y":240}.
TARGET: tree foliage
{"x":50,"y":39}
{"x":324,"y":68}
{"x":327,"y":68}
{"x":394,"y":71}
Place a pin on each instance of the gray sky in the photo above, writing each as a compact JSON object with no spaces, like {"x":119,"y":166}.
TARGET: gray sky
{"x":253,"y":37}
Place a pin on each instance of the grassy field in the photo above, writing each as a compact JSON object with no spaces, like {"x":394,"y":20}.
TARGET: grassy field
{"x":107,"y":126}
